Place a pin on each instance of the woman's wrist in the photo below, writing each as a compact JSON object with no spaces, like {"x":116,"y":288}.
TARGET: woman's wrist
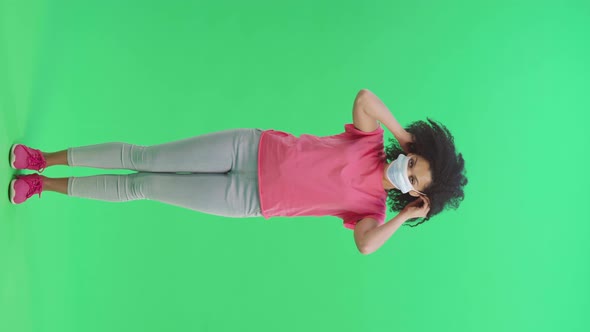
{"x":403,"y":216}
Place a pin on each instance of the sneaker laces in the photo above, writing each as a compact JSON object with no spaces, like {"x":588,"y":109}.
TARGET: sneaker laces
{"x":35,"y":185}
{"x":36,"y":159}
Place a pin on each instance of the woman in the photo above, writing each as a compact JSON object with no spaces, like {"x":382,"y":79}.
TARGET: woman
{"x":251,"y":172}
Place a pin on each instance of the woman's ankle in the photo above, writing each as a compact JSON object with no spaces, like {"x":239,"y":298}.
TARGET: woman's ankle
{"x":59,"y":185}
{"x":56,"y":158}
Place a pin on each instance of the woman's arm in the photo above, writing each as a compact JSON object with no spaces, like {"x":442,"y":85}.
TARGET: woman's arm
{"x":369,"y":237}
{"x":368,"y":104}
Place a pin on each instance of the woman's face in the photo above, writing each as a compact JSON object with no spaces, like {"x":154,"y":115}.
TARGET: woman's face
{"x":419,"y":173}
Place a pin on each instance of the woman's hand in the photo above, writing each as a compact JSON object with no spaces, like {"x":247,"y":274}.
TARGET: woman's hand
{"x":405,"y":145}
{"x":417,"y":209}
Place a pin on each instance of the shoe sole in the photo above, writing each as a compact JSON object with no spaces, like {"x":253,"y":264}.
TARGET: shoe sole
{"x":12,"y":191}
{"x":12,"y":156}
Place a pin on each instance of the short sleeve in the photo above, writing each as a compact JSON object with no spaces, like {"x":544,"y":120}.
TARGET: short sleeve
{"x":351,"y":129}
{"x":349,"y":220}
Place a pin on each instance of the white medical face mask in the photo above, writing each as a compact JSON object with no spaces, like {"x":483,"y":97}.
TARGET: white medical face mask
{"x":397,"y":173}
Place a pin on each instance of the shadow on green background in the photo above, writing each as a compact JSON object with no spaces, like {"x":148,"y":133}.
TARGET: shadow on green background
{"x":509,"y":79}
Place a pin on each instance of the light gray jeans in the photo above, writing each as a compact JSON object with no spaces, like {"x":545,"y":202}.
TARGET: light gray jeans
{"x":222,"y":172}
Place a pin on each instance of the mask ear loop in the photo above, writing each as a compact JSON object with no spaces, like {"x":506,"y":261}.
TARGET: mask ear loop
{"x":419,"y":192}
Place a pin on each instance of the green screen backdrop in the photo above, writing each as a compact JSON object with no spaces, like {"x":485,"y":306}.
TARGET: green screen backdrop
{"x":510,"y":79}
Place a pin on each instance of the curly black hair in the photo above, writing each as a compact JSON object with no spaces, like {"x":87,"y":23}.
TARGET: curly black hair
{"x":436,"y":144}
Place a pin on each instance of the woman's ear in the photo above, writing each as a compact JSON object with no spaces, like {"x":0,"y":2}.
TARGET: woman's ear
{"x":414,"y":193}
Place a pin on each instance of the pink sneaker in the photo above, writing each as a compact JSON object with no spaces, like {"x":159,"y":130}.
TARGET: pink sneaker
{"x":23,"y":157}
{"x":25,"y":186}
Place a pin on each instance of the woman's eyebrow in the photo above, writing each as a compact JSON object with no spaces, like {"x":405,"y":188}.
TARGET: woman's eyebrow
{"x":416,"y":163}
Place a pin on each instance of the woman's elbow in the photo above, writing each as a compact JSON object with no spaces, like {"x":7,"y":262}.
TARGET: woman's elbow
{"x":364,"y":92}
{"x":365,"y":249}
{"x":362,"y":95}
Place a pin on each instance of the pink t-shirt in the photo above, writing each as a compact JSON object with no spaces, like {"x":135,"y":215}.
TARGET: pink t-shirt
{"x":339,"y":175}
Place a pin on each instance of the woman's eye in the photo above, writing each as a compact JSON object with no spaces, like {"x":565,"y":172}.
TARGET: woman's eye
{"x":412,"y":180}
{"x":411,"y":162}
